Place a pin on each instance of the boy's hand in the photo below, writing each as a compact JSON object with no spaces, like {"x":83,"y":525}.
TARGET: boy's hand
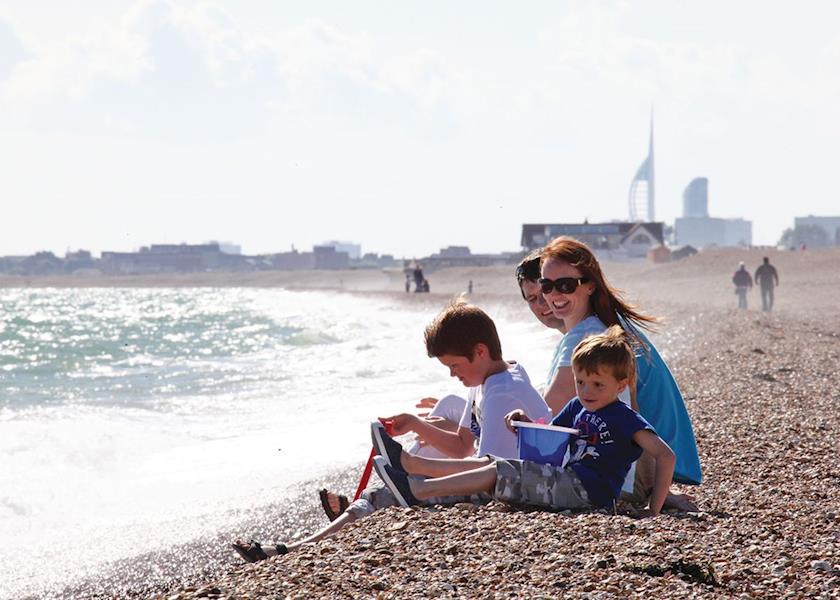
{"x":516,"y":415}
{"x":402,"y":423}
{"x":427,"y":404}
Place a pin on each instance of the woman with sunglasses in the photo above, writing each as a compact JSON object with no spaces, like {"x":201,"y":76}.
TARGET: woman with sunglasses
{"x":578,"y":293}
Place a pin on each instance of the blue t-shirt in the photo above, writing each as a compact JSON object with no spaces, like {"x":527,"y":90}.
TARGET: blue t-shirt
{"x":603,"y":452}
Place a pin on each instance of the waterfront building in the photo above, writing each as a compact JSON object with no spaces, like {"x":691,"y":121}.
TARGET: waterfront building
{"x":696,"y":198}
{"x":830,"y":225}
{"x":696,"y":228}
{"x":617,"y":240}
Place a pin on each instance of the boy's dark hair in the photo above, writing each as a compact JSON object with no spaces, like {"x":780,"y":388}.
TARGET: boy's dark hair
{"x":528,"y":269}
{"x":611,"y":349}
{"x":458,"y":328}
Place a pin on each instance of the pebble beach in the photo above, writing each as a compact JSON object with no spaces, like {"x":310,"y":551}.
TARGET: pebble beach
{"x":763,"y":392}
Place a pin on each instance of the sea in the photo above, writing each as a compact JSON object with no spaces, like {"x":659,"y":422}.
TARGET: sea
{"x":132,"y":419}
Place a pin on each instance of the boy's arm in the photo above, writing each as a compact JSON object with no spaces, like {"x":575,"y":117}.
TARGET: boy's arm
{"x":457,"y":444}
{"x":664,"y":473}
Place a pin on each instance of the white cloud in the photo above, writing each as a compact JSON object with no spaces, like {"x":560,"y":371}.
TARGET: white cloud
{"x":12,"y":50}
{"x":343,"y":115}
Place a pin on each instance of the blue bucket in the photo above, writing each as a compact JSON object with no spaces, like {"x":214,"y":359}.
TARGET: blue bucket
{"x":545,"y":444}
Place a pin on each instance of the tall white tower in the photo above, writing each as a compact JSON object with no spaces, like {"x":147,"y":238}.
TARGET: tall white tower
{"x":643,"y":188}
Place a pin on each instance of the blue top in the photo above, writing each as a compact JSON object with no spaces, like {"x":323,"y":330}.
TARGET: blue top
{"x":603,"y":452}
{"x":591,"y":325}
{"x":661,"y":403}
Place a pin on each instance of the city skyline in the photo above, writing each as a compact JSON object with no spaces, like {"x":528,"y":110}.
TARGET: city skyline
{"x":405,"y":128}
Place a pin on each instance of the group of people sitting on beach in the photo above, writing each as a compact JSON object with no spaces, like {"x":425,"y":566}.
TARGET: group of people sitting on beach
{"x":606,"y":380}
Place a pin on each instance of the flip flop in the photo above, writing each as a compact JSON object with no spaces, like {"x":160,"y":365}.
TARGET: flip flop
{"x":253,"y":552}
{"x":343,"y":503}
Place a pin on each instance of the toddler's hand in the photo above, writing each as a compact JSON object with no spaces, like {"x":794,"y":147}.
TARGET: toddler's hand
{"x":516,"y":415}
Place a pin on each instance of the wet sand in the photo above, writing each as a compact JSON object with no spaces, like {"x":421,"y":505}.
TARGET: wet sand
{"x":763,"y":394}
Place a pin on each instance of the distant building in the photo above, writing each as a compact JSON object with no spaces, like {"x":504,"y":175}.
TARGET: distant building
{"x":13,"y":265}
{"x":830,"y":225}
{"x":461,"y":256}
{"x":454,"y":252}
{"x":327,"y":257}
{"x":228,"y":247}
{"x":659,"y":254}
{"x":698,"y":229}
{"x":701,"y":232}
{"x":614,"y":237}
{"x":173,"y":258}
{"x":371,"y":260}
{"x":354,"y":251}
{"x":42,"y":263}
{"x":292,"y":261}
{"x":640,"y":240}
{"x":78,"y":261}
{"x":696,"y":198}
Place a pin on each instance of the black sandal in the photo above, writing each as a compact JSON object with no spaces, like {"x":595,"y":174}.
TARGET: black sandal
{"x":343,"y":503}
{"x":253,"y":552}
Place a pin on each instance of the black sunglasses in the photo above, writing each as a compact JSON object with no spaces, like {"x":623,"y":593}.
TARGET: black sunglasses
{"x":564,"y":285}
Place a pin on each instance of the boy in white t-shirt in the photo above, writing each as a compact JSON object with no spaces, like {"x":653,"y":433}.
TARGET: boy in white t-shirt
{"x":464,"y":339}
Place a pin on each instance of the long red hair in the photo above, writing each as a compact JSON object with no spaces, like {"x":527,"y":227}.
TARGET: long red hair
{"x":607,"y":302}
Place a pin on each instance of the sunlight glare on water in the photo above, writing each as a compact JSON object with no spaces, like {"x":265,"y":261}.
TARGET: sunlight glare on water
{"x":122,"y":409}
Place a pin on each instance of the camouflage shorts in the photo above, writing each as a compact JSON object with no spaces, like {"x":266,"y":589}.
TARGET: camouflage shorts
{"x":535,"y":484}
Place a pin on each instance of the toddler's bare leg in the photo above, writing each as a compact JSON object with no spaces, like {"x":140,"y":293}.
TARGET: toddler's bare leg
{"x":465,"y":483}
{"x":440,"y":467}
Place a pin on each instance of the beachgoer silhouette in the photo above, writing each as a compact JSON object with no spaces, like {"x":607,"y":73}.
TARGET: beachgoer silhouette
{"x":418,"y":278}
{"x":767,"y":277}
{"x":469,"y":287}
{"x":743,"y":283}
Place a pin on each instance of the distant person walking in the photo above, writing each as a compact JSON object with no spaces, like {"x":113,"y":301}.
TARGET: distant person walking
{"x":767,"y":277}
{"x":743,"y":284}
{"x":418,"y":278}
{"x":469,"y":287}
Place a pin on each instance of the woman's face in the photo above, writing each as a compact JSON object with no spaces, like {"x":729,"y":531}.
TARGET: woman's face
{"x":573,"y":307}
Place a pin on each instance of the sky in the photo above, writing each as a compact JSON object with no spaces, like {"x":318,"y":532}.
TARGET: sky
{"x":404,"y":126}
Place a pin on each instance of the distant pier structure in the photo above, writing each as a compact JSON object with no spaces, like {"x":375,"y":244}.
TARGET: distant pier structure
{"x":642,"y":195}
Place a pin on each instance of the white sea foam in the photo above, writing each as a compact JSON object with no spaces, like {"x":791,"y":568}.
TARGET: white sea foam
{"x":123,"y":411}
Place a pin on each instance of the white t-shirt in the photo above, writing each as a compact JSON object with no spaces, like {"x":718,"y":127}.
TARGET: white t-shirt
{"x":495,"y":398}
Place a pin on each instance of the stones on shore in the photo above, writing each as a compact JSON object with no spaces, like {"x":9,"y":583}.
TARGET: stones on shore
{"x":767,"y":425}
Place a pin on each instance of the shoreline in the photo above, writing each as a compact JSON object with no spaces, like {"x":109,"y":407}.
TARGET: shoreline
{"x":767,"y":526}
{"x":755,"y":386}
